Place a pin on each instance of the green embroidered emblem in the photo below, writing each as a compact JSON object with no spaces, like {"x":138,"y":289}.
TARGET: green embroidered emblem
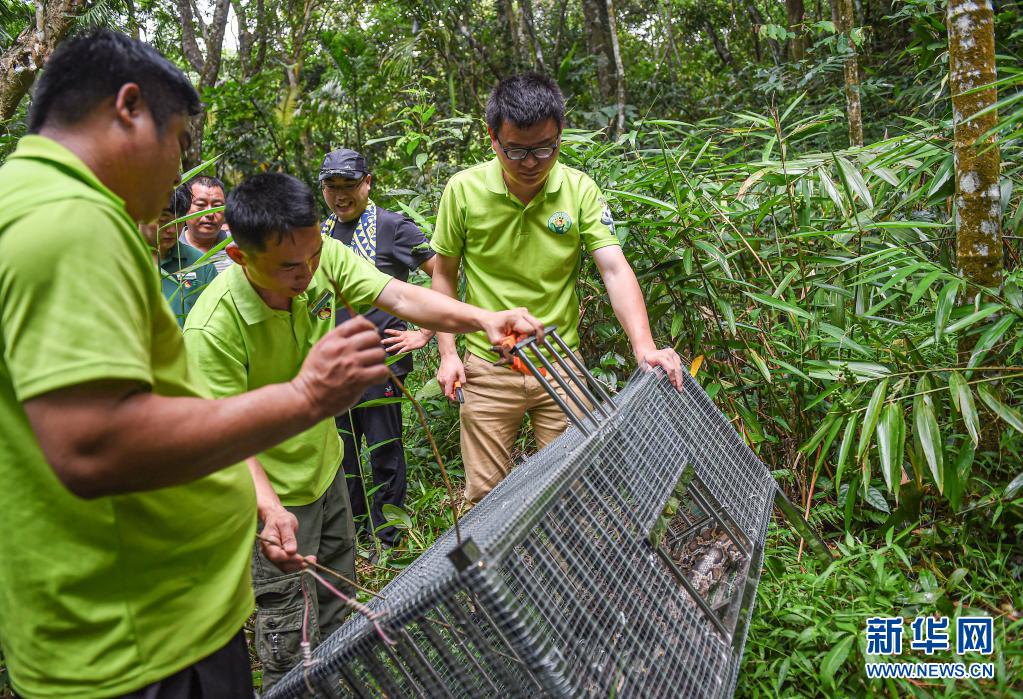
{"x":560,"y":222}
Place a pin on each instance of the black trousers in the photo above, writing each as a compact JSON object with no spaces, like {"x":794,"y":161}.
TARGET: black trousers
{"x":381,"y":426}
{"x":227,"y":674}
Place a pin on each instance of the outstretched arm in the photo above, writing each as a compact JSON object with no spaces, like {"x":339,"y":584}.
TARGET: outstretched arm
{"x":630,"y":309}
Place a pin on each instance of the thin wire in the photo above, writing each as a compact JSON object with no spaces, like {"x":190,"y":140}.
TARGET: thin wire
{"x":372,"y":616}
{"x":308,"y":560}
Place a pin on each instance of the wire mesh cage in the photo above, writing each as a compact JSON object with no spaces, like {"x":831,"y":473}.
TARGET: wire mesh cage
{"x":622,"y":560}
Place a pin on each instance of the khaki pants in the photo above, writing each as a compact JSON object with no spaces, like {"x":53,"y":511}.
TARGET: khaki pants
{"x":496,"y":400}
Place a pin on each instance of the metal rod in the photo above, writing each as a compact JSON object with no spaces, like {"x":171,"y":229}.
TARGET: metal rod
{"x":597,"y":386}
{"x":565,"y":385}
{"x":577,"y":380}
{"x":554,"y":394}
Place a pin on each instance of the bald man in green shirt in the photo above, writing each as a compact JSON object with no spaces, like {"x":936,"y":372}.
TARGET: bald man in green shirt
{"x":517,"y":225}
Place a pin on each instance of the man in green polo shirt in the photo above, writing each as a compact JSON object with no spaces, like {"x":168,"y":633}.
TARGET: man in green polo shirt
{"x":517,"y":225}
{"x":182,"y":283}
{"x":128,"y":523}
{"x":252,"y":327}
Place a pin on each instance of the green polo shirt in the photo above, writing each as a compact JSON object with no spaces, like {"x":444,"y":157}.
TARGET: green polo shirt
{"x":242,"y":344}
{"x":182,"y":288}
{"x":100,"y":597}
{"x":522,"y":255}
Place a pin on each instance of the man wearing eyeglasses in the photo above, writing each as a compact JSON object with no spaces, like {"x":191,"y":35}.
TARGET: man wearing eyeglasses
{"x":517,"y":225}
{"x":396,"y":246}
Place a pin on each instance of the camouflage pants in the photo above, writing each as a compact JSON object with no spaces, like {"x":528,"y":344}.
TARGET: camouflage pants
{"x":325,"y":529}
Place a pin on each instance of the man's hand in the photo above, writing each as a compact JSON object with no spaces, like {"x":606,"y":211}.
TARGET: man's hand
{"x":451,"y":370}
{"x":517,"y":321}
{"x":281,"y":527}
{"x":340,"y":367}
{"x":667,"y":359}
{"x":406,"y":340}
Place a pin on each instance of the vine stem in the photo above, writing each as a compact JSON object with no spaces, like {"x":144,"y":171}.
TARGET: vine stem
{"x":422,"y":420}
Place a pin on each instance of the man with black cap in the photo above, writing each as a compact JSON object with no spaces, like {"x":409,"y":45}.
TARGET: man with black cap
{"x":396,"y":246}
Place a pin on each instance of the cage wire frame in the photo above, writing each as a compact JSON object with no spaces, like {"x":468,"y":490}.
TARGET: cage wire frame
{"x":585,"y":572}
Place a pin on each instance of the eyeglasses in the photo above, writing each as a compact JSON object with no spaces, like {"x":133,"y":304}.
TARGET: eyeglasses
{"x":344,"y":187}
{"x":541,"y":153}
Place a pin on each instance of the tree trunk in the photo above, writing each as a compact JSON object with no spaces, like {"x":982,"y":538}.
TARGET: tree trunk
{"x":507,"y":15}
{"x":842,"y":15}
{"x":616,"y":52}
{"x":797,"y":45}
{"x":527,"y":18}
{"x":602,"y":40}
{"x":971,"y":58}
{"x":207,"y":66}
{"x":21,"y":62}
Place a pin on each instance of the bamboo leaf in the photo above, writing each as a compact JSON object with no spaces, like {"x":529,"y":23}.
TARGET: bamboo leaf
{"x":779,"y":304}
{"x":972,"y":318}
{"x":946,"y":299}
{"x":761,"y":364}
{"x":924,"y":284}
{"x":1009,"y":415}
{"x":926,"y":430}
{"x":989,"y":338}
{"x":835,"y":658}
{"x":962,"y":399}
{"x":890,"y":444}
{"x":855,"y":180}
{"x":870,"y":418}
{"x":843,"y":451}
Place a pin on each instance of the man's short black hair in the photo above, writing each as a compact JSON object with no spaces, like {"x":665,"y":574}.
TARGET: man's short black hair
{"x":524,"y":100}
{"x":269,"y":206}
{"x":205,"y":181}
{"x":180,"y":201}
{"x":92,"y":67}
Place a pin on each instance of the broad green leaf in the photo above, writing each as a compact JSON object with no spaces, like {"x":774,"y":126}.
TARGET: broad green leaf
{"x":779,"y":304}
{"x":989,"y":338}
{"x":835,"y":658}
{"x":1010,"y":415}
{"x":890,"y":444}
{"x":926,"y":431}
{"x":870,"y":418}
{"x":876,"y":500}
{"x":844,"y":447}
{"x":396,"y":516}
{"x":962,"y":399}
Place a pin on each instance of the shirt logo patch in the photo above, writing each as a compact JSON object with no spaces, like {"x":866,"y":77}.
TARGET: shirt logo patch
{"x":322,"y":308}
{"x":560,"y":222}
{"x":605,"y":214}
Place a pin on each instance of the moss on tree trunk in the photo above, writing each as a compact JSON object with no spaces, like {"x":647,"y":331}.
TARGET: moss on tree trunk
{"x":971,"y":50}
